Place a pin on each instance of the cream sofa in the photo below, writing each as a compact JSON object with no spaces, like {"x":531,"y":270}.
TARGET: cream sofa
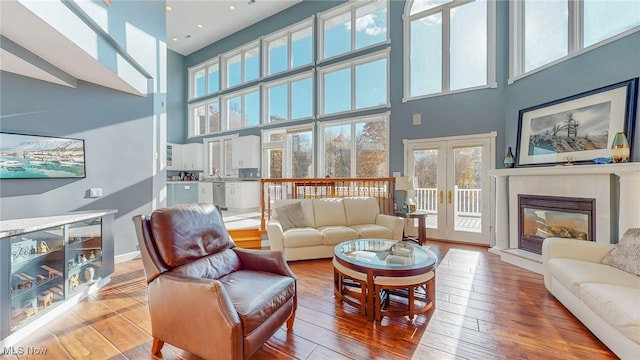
{"x":311,"y":228}
{"x":604,"y":298}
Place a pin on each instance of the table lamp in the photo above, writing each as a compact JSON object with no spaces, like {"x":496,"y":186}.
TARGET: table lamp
{"x":405,"y":184}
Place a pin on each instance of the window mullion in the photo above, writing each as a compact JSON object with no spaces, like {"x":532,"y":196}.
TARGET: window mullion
{"x":353,"y":87}
{"x":446,"y":37}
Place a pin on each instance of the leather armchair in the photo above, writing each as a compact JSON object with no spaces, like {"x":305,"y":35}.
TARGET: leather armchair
{"x":206,"y":295}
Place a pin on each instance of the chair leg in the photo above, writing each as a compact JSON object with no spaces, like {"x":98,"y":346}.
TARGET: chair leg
{"x":290,"y":321}
{"x":157,"y":346}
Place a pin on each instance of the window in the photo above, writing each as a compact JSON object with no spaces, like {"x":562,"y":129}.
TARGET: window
{"x":288,"y":152}
{"x":242,"y":109}
{"x":204,"y":79}
{"x":355,"y":147}
{"x":241,"y":66}
{"x":358,"y":84}
{"x":218,"y":157}
{"x":204,"y":118}
{"x":289,"y":99}
{"x":357,"y":25}
{"x":290,"y":48}
{"x":449,"y":46}
{"x":547,"y":32}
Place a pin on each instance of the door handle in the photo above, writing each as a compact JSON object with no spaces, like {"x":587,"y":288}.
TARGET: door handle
{"x":449,"y":196}
{"x":441,"y":197}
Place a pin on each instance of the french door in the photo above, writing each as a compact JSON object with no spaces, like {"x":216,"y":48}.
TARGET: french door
{"x":453,"y":186}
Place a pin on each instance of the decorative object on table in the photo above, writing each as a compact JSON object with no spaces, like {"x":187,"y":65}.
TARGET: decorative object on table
{"x":602,"y":160}
{"x":92,"y":254}
{"x":43,"y":248}
{"x":620,"y":148}
{"x":578,"y":127}
{"x":83,"y":258}
{"x":41,"y":157}
{"x":89,"y":272}
{"x":405,"y":185}
{"x":509,"y":159}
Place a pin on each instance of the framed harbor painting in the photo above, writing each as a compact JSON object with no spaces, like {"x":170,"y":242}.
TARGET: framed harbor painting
{"x":576,"y":129}
{"x":40,"y":157}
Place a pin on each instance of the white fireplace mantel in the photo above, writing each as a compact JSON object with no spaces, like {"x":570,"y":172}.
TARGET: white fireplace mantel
{"x":576,"y":180}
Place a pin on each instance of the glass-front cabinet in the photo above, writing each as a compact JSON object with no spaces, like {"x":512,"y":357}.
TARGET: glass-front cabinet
{"x":43,"y":267}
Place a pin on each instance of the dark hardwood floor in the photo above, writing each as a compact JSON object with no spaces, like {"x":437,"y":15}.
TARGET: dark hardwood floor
{"x":486,"y":309}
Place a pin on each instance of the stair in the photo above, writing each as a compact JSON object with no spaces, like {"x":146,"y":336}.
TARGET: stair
{"x":247,"y":238}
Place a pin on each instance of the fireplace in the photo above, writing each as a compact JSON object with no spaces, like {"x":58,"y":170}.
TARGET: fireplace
{"x":540,"y":217}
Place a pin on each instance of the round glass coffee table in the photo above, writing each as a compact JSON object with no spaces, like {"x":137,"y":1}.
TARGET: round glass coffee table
{"x":387,"y":259}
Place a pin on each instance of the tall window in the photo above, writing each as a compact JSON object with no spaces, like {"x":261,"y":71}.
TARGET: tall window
{"x":241,"y":65}
{"x":218,"y":157}
{"x":358,"y":84}
{"x":288,"y":153}
{"x":356,"y":25}
{"x":204,"y":118}
{"x":547,"y":32}
{"x":204,"y":79}
{"x":449,"y":46}
{"x":290,"y":48}
{"x":355,"y":147}
{"x":289,"y":99}
{"x":241,"y":109}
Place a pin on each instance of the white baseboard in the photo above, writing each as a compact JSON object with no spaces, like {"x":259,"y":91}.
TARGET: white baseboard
{"x":126,"y":257}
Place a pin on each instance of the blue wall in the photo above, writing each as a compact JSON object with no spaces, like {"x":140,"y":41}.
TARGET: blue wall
{"x":473,"y":112}
{"x":118,"y":129}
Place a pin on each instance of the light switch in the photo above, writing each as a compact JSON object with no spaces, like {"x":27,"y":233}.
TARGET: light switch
{"x":95,"y":192}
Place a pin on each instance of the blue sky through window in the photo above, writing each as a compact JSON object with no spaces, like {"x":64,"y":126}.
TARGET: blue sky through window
{"x":252,"y":108}
{"x":302,"y":98}
{"x":337,"y":91}
{"x":278,"y":103}
{"x":371,"y":84}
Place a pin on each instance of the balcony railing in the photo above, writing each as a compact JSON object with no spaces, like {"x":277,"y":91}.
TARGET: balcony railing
{"x":306,"y":188}
{"x":468,"y":202}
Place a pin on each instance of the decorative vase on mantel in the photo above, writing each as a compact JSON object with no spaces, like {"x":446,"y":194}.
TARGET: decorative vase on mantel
{"x":509,"y":160}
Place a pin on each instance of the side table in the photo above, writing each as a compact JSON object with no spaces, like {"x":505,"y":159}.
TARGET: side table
{"x":421,"y":215}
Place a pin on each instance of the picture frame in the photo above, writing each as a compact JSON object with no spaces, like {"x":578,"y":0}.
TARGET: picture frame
{"x":25,"y":156}
{"x":576,"y":129}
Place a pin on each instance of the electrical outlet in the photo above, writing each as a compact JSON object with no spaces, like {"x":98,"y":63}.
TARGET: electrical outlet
{"x":95,"y":192}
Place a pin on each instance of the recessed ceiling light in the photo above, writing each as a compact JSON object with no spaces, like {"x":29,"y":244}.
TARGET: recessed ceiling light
{"x":232,"y":7}
{"x":199,"y":25}
{"x":168,"y":8}
{"x":175,"y":39}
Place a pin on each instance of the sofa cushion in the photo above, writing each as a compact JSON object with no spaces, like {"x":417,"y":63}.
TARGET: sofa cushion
{"x":291,"y":216}
{"x":333,"y":235}
{"x":572,"y":273}
{"x":329,"y":212}
{"x":242,"y":287}
{"x":302,"y":237}
{"x":617,"y":305}
{"x":361,"y":210}
{"x":626,"y":255}
{"x":373,"y":231}
{"x":307,"y":209}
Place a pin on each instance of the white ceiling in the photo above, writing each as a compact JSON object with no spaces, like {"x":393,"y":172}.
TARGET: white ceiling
{"x":216,"y":18}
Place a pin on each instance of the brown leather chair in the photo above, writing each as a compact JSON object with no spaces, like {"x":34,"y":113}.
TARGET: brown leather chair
{"x":206,"y":295}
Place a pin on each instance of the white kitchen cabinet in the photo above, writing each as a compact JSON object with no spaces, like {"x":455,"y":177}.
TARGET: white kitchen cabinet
{"x":185,"y":156}
{"x":243,"y":195}
{"x":192,"y":156}
{"x":245,"y":152}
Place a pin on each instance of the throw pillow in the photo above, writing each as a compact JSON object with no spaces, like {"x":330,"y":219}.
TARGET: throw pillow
{"x":291,"y":216}
{"x":626,"y":255}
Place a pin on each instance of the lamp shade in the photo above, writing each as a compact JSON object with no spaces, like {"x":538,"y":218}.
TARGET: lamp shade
{"x":405,"y":183}
{"x":620,"y":148}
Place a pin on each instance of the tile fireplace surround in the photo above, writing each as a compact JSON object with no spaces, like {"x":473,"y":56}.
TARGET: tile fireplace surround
{"x":615,"y":188}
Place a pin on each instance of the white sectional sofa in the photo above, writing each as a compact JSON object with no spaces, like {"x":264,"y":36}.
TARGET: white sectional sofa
{"x":311,"y":228}
{"x":604,"y":298}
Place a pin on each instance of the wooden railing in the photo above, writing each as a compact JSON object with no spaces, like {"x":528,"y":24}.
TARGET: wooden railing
{"x":306,"y":188}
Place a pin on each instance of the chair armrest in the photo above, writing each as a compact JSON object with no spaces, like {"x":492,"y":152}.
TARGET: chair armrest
{"x":275,"y":234}
{"x":207,"y":307}
{"x":395,"y":223}
{"x":264,"y":260}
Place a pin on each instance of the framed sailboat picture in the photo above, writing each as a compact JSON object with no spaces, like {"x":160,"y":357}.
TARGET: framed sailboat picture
{"x":40,"y":157}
